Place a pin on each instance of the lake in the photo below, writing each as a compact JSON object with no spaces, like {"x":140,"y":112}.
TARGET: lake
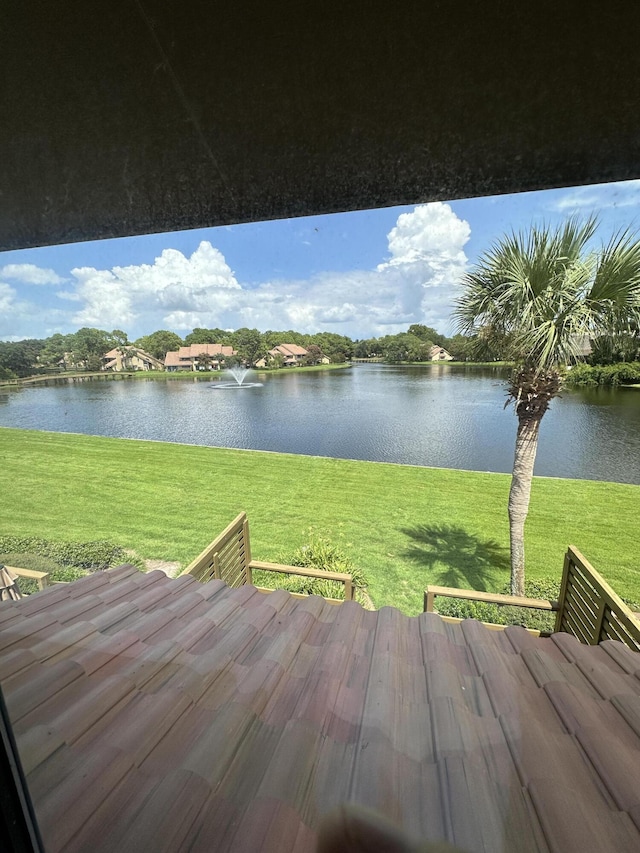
{"x":435,"y":415}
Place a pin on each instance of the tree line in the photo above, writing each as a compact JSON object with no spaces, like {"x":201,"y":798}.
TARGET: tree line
{"x":86,"y":348}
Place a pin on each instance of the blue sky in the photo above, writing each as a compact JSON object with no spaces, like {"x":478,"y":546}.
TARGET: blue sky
{"x":362,"y":274}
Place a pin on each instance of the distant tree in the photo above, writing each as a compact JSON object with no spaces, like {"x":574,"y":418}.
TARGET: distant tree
{"x":207,"y":336}
{"x":119,"y":338}
{"x":422,"y":352}
{"x":273,"y":338}
{"x":276,"y":361}
{"x":543,"y":292}
{"x":204,"y":361}
{"x":159,"y":343}
{"x":369,"y":348}
{"x":426,"y":333}
{"x":611,"y":349}
{"x":314,"y":354}
{"x":460,"y":347}
{"x":402,"y":347}
{"x":90,"y":345}
{"x":394,"y":349}
{"x":17,"y":358}
{"x":56,"y":348}
{"x":331,"y":343}
{"x":248,"y":343}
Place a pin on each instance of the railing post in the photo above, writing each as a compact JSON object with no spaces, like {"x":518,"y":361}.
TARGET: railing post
{"x":348,"y":590}
{"x":568,"y":561}
{"x":247,"y":550}
{"x":429,"y":600}
{"x":216,"y":566}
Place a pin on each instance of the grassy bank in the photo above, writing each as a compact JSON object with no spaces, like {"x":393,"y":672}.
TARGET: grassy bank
{"x":406,"y":526}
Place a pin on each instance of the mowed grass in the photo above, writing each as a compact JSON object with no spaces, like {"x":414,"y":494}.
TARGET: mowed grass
{"x":405,"y":526}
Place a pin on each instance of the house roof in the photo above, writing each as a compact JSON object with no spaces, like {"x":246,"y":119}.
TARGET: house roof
{"x":195,"y":350}
{"x":160,"y":714}
{"x":288,"y":350}
{"x":136,"y":351}
{"x":172,"y":359}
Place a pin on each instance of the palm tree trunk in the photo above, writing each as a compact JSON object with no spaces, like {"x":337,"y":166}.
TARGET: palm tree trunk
{"x":519,"y":494}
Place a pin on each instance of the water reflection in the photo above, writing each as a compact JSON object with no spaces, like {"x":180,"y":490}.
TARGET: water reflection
{"x":440,"y":416}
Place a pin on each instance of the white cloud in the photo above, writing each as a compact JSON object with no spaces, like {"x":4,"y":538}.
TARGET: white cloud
{"x":184,"y":320}
{"x":598,"y":197}
{"x":432,"y":234}
{"x":173,"y":283}
{"x":17,"y":315}
{"x":30,"y":274}
{"x":7,"y":294}
{"x":427,"y":260}
{"x":414,"y":284}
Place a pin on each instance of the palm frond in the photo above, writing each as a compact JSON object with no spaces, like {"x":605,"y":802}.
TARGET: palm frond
{"x":545,"y":290}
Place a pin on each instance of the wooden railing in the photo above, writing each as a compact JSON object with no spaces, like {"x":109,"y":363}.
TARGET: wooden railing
{"x":431,"y":592}
{"x":587,"y":607}
{"x":42,"y":578}
{"x":228,"y":558}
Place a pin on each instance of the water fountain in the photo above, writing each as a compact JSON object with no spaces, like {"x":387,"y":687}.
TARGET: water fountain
{"x":238,"y":372}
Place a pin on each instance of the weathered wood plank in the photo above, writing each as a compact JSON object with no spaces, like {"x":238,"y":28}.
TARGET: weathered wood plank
{"x":489,"y":597}
{"x":590,"y":608}
{"x":41,"y":577}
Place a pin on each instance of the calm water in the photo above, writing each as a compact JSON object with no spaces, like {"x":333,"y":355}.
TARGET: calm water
{"x":441,"y":416}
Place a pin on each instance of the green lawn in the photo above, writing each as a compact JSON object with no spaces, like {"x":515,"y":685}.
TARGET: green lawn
{"x":406,"y":526}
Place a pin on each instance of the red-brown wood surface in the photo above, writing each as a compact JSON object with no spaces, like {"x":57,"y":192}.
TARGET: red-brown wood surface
{"x":168,"y":715}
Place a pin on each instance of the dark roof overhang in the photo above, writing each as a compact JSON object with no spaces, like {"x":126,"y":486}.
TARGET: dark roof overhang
{"x":122,"y":118}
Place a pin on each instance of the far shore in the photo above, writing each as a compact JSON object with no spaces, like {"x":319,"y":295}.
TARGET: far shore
{"x":192,"y":375}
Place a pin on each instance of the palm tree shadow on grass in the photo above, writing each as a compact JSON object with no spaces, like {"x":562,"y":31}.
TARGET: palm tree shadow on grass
{"x":468,"y":561}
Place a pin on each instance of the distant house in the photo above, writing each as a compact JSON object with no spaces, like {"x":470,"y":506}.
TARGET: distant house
{"x":198,"y":357}
{"x":292,"y":355}
{"x":582,"y":346}
{"x":440,"y":354}
{"x":130,"y":358}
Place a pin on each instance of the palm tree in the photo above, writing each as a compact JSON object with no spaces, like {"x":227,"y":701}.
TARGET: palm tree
{"x":544,"y":291}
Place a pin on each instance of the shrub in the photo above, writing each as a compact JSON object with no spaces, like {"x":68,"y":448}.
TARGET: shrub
{"x":541,"y":620}
{"x":298,"y":584}
{"x":85,"y":555}
{"x":319,"y":553}
{"x":622,"y":373}
{"x":38,"y":563}
{"x":581,"y":374}
{"x":498,"y":614}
